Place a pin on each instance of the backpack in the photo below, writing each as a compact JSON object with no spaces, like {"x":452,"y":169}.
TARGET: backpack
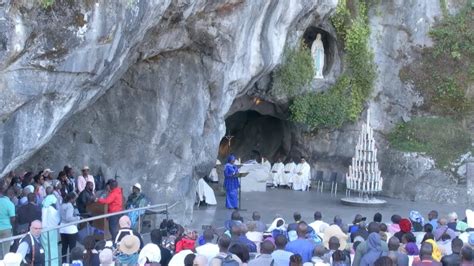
{"x":311,"y":235}
{"x":228,"y":261}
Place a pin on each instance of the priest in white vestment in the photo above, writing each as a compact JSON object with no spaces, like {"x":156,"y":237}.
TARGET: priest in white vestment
{"x":277,"y":172}
{"x":213,"y":176}
{"x":287,"y":173}
{"x":268,"y":167}
{"x":205,"y":193}
{"x":301,"y":177}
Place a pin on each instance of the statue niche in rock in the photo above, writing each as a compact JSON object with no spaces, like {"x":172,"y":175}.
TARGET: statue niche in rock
{"x":317,"y":52}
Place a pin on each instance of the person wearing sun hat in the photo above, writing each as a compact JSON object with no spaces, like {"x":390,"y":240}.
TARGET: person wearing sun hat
{"x":128,"y":250}
{"x":84,"y":178}
{"x":150,"y":253}
{"x":334,"y":230}
{"x":48,"y":177}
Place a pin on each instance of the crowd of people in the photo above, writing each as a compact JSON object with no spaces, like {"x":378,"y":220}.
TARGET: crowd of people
{"x":400,"y":241}
{"x":35,"y":203}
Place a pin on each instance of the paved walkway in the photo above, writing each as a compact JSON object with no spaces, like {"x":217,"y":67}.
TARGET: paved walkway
{"x":284,"y":202}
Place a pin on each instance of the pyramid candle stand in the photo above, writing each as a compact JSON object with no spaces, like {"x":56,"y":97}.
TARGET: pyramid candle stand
{"x":364,"y":177}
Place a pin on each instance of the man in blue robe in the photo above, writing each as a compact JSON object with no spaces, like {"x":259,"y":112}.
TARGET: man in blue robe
{"x":231,"y":183}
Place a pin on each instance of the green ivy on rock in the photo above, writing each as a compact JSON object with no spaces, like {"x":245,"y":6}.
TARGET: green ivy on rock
{"x":295,"y":72}
{"x":345,"y":100}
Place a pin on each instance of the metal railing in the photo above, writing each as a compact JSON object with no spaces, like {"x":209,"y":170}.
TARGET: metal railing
{"x":154,"y":210}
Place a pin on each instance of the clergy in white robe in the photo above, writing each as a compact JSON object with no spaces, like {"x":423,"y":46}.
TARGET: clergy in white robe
{"x":213,"y":175}
{"x":301,"y":178}
{"x":267,"y":166}
{"x":277,"y":172}
{"x":205,"y":193}
{"x":287,"y":173}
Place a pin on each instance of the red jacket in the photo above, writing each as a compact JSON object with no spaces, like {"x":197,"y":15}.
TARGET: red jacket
{"x":114,"y":200}
{"x":185,"y":243}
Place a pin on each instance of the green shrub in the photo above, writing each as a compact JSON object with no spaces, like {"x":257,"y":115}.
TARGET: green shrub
{"x":46,"y":3}
{"x":328,"y":109}
{"x":295,"y":72}
{"x":340,"y":19}
{"x":446,"y":70}
{"x":345,"y":100}
{"x":443,"y":139}
{"x":454,"y":35}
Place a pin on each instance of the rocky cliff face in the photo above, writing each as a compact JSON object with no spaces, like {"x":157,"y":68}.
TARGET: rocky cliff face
{"x":142,"y":89}
{"x":137,"y":88}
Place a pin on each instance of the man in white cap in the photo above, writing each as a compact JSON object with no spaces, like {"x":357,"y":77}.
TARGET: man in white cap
{"x":137,"y":198}
{"x":84,"y":178}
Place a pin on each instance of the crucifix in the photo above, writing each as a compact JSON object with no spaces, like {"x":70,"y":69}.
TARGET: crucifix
{"x":228,"y":138}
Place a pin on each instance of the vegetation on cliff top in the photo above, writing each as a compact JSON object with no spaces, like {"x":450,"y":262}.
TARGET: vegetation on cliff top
{"x":446,"y":70}
{"x":444,"y":139}
{"x":443,"y":76}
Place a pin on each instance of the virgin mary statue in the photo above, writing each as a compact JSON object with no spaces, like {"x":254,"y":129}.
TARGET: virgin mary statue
{"x":317,"y":52}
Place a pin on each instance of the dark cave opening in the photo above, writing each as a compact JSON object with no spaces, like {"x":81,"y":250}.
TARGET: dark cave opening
{"x":249,"y":130}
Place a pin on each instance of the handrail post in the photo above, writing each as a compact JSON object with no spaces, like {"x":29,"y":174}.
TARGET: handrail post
{"x":167,"y":211}
{"x":139,"y":224}
{"x":49,"y":249}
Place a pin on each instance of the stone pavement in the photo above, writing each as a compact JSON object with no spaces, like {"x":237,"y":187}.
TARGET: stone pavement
{"x":285,"y":202}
